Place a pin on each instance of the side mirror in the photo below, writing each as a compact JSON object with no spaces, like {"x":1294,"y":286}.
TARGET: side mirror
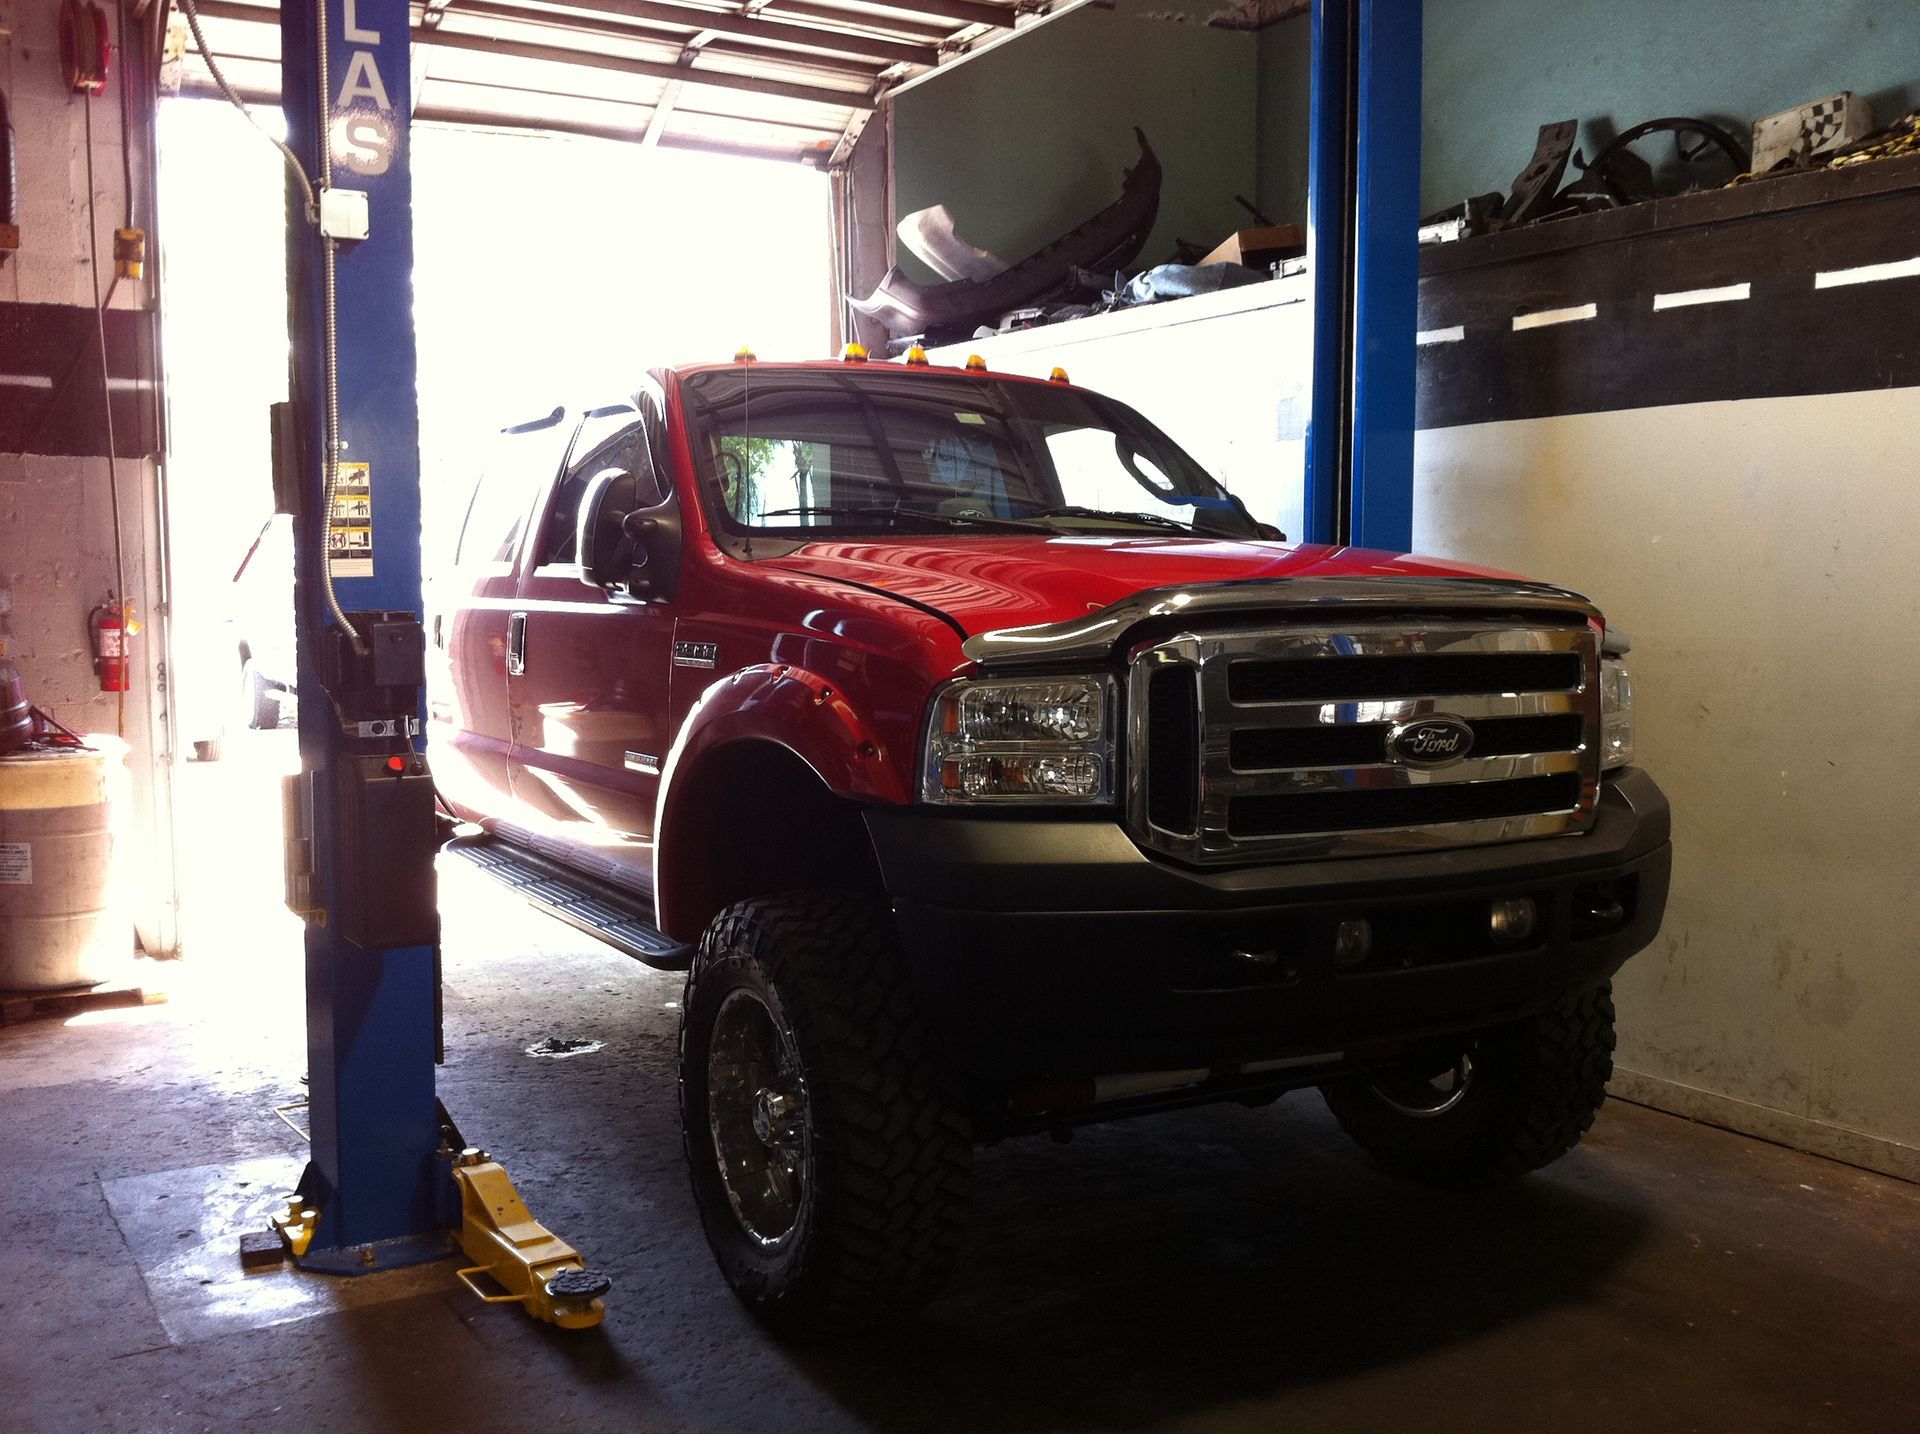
{"x":624,"y":548}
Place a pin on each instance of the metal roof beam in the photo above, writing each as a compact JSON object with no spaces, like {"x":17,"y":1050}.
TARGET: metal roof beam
{"x":921,"y":28}
{"x":423,"y":40}
{"x":198,"y":87}
{"x":662,"y":112}
{"x":659,"y":12}
{"x":961,"y":12}
{"x":687,"y":17}
{"x":442,"y":38}
{"x":650,"y":69}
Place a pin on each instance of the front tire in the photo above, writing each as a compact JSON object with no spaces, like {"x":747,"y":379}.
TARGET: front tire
{"x":830,"y":1153}
{"x":1513,"y":1100}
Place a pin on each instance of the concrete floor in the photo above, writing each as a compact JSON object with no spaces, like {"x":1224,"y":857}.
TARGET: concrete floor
{"x":1226,"y":1269}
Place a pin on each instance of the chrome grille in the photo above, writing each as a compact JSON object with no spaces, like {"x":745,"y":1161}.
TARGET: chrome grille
{"x":1282,"y":751}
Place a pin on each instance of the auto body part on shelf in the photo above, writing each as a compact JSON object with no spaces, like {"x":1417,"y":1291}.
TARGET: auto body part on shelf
{"x":1807,"y":135}
{"x":1534,"y":189}
{"x":1619,"y":176}
{"x":1110,"y":239}
{"x":929,"y":236}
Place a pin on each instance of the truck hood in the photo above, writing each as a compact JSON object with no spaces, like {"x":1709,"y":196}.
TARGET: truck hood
{"x":986,"y":583}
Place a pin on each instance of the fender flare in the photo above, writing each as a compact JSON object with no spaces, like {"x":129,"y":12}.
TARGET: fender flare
{"x":773,"y":704}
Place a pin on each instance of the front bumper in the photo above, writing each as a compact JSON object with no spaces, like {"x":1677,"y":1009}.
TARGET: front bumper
{"x":1056,"y":947}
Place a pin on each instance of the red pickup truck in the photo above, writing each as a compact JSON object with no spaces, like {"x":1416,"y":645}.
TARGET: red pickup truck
{"x":991,"y":769}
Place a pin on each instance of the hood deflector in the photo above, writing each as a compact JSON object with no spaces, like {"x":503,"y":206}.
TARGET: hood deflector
{"x":1092,"y":638}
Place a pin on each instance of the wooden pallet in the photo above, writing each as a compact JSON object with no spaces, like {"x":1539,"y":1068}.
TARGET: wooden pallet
{"x":18,"y":1007}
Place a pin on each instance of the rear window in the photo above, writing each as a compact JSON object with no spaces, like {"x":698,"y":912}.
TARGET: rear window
{"x":523,"y":459}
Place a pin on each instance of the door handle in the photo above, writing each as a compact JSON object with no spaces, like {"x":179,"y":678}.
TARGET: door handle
{"x":516,"y":644}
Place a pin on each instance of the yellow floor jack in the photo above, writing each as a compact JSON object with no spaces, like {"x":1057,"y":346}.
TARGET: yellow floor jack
{"x":526,"y":1262}
{"x":534,"y":1267}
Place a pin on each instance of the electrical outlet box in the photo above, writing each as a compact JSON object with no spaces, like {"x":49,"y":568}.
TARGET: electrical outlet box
{"x":343,"y":214}
{"x":383,"y":676}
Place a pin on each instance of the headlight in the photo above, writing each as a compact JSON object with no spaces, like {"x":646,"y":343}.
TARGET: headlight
{"x":1616,"y":714}
{"x":1041,"y":739}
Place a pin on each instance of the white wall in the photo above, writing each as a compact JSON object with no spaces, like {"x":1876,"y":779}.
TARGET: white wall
{"x":56,"y":535}
{"x":1762,"y":555}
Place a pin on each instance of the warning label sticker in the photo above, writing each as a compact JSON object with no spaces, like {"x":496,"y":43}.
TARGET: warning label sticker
{"x":350,"y":526}
{"x":16,"y":863}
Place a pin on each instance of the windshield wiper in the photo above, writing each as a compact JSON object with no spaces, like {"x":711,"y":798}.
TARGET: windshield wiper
{"x":1072,"y":510}
{"x":897,"y":515}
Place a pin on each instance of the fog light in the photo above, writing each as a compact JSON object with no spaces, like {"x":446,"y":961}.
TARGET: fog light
{"x":1512,"y":920}
{"x":1352,"y":941}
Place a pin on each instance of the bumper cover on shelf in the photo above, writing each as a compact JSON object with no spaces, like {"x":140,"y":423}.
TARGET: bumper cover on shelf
{"x":1056,"y":946}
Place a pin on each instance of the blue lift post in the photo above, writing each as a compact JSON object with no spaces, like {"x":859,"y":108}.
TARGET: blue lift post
{"x":384,"y":1198}
{"x":1363,"y":206}
{"x":387,"y":1183}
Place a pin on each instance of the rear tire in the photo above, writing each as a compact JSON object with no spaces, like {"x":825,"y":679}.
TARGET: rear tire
{"x":259,"y":699}
{"x":1530,"y":1092}
{"x":830,"y":1153}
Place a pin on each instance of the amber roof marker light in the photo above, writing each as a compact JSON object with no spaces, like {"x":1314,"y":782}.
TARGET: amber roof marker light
{"x":916,"y":357}
{"x":1059,"y":375}
{"x":743,"y":354}
{"x":976,"y":364}
{"x":854,"y":353}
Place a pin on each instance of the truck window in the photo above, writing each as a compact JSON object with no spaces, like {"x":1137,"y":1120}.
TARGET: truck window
{"x":495,"y":516}
{"x":606,"y":440}
{"x":522,"y":459}
{"x":803,"y":452}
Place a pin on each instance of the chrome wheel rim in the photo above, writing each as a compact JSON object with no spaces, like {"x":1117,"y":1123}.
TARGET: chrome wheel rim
{"x":1423,"y":1097}
{"x":757,"y":1113}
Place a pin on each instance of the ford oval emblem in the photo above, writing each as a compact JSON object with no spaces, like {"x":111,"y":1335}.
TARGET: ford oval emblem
{"x":1429,"y":741}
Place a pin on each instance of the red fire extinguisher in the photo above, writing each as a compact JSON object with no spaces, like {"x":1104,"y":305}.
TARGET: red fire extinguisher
{"x":108,"y":626}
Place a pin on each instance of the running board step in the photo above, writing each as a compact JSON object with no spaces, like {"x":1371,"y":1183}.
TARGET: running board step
{"x":619,"y":918}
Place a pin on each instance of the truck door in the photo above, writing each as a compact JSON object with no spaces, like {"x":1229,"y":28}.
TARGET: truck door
{"x":468,"y":603}
{"x":588,"y":688}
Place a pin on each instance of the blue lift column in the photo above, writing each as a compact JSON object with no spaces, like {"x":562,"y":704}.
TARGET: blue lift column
{"x":363,"y":803}
{"x":1363,"y":207}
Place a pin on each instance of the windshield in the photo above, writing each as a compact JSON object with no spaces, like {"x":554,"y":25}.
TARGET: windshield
{"x":878,"y":450}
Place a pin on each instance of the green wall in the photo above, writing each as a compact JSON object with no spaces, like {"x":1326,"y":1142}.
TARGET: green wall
{"x":1496,"y":70}
{"x":1031,"y":138}
{"x":1282,"y":57}
{"x":1028,"y":140}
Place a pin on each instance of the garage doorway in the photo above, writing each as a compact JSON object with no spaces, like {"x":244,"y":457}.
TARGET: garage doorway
{"x":548,"y":269}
